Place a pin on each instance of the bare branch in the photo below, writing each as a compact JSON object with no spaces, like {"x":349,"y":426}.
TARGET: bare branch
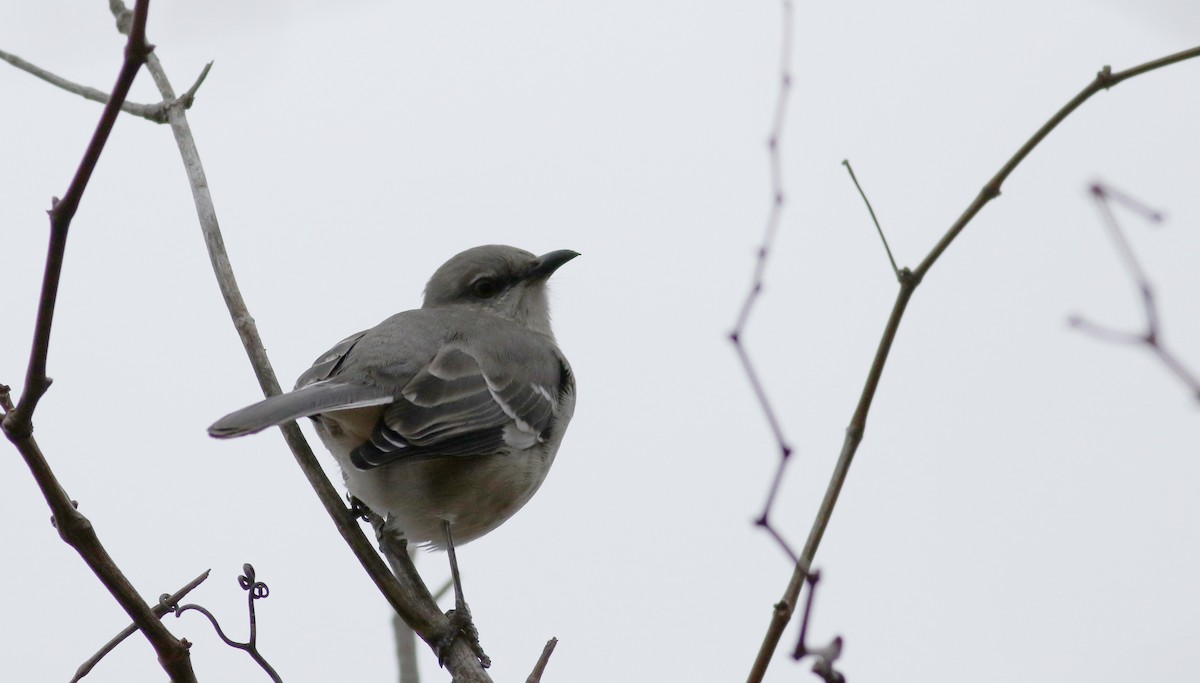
{"x":164,"y":606}
{"x":774,"y":215}
{"x":255,"y":590}
{"x":151,"y":112}
{"x":72,"y":526}
{"x":408,"y":596}
{"x":825,"y":656}
{"x":540,"y":667}
{"x":909,"y":280}
{"x":1151,"y":337}
{"x":1104,"y":80}
{"x":402,"y":634}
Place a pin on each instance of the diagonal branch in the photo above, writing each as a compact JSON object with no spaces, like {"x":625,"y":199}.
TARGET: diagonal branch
{"x":72,"y":526}
{"x":406,"y":593}
{"x":909,"y":280}
{"x":539,"y":668}
{"x":165,"y":603}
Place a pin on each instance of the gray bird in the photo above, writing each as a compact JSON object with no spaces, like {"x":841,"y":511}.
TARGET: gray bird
{"x":444,"y":419}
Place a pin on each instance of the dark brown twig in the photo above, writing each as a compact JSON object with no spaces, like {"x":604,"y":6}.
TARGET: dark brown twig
{"x":774,"y":215}
{"x":825,"y":656}
{"x":72,"y":526}
{"x":164,"y":606}
{"x":909,"y":280}
{"x":1151,"y":337}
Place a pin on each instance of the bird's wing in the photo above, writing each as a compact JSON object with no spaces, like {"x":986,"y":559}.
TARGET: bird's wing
{"x":317,"y":391}
{"x":330,"y":362}
{"x":469,"y":400}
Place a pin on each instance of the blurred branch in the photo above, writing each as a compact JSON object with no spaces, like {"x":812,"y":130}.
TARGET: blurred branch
{"x":151,"y":112}
{"x":407,"y":595}
{"x":405,"y":638}
{"x":909,"y":280}
{"x":402,"y":634}
{"x":1152,"y":336}
{"x":774,"y":215}
{"x":164,"y":606}
{"x":825,"y":656}
{"x":73,"y":527}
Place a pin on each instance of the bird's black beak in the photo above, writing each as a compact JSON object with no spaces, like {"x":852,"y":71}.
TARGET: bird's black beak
{"x":548,"y":263}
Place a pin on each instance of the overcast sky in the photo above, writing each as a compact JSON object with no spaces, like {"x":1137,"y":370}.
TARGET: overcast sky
{"x":1024,"y":506}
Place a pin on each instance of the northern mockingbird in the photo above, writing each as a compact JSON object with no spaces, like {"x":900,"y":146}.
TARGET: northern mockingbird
{"x":444,"y":419}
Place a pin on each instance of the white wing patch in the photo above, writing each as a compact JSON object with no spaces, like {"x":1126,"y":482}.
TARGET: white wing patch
{"x":519,"y":439}
{"x":521,"y":424}
{"x":550,"y":397}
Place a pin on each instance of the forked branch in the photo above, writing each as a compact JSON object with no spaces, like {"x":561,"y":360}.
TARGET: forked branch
{"x":909,"y":280}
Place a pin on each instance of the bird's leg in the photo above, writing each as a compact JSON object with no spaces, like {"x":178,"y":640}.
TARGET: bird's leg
{"x":391,"y":541}
{"x":460,"y":616}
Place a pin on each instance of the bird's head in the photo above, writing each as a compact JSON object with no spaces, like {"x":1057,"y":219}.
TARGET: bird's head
{"x":506,"y":281}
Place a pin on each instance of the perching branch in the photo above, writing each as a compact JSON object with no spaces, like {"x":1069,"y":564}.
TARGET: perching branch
{"x":73,"y":527}
{"x":909,"y":280}
{"x":408,"y":595}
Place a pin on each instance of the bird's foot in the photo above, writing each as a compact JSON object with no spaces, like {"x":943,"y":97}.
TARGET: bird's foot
{"x":461,"y":625}
{"x":359,"y":509}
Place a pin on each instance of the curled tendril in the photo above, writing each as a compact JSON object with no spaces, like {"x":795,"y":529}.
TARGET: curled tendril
{"x":255,"y":591}
{"x":258,"y":589}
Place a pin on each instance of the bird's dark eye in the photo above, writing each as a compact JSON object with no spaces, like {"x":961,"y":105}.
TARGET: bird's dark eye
{"x":485,"y":288}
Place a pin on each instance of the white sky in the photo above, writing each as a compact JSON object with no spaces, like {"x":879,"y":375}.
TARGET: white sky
{"x":1024,"y":506}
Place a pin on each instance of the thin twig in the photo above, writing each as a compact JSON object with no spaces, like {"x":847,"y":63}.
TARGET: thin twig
{"x":774,"y":216}
{"x":1104,"y":80}
{"x":882,"y":237}
{"x":408,"y":596}
{"x":909,"y":280}
{"x":164,"y":606}
{"x":540,"y":667}
{"x":156,"y":112}
{"x":1151,"y":337}
{"x":72,"y":526}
